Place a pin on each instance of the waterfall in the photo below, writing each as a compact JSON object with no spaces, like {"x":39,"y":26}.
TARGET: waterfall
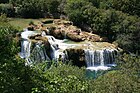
{"x":39,"y":54}
{"x":100,"y":59}
{"x":95,"y":59}
{"x":25,"y":44}
{"x":65,"y":35}
{"x":25,"y":48}
{"x":54,"y":46}
{"x":57,"y":48}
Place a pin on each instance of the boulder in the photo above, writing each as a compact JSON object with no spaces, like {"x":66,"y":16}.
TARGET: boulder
{"x":34,"y":36}
{"x":65,"y":29}
{"x":76,"y":56}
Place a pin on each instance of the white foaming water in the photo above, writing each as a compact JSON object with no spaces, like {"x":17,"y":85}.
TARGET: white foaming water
{"x":58,"y":46}
{"x":95,"y":59}
{"x":25,"y":43}
{"x":39,"y":53}
{"x":98,"y":68}
{"x":27,"y":33}
{"x":100,"y":59}
{"x":25,"y":49}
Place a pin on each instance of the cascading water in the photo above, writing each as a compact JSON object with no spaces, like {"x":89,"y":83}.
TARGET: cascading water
{"x":100,"y":59}
{"x":25,"y":43}
{"x":57,"y":47}
{"x":25,"y":48}
{"x":37,"y":54}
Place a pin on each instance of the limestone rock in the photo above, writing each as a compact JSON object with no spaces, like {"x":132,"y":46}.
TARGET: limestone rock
{"x":76,"y":56}
{"x":65,"y":30}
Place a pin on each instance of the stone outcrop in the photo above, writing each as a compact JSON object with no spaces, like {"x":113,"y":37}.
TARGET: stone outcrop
{"x":38,"y":38}
{"x":76,"y":56}
{"x":66,"y":30}
{"x":47,"y":46}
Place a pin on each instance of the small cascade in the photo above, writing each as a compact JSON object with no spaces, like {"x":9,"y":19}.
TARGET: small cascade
{"x":25,"y":44}
{"x":65,"y":35}
{"x":59,"y":55}
{"x":100,"y":59}
{"x":57,"y":48}
{"x":39,"y":54}
{"x":54,"y":46}
{"x":25,"y":48}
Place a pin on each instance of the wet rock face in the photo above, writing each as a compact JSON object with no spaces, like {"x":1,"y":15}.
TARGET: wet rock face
{"x":38,"y":38}
{"x":18,"y":35}
{"x":42,"y":41}
{"x":34,"y":36}
{"x":76,"y":56}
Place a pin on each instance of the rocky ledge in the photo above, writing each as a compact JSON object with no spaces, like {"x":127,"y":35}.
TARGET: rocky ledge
{"x":65,"y":30}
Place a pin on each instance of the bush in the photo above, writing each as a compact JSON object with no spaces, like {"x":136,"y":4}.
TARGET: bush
{"x":30,"y":9}
{"x":7,"y":9}
{"x":65,"y":79}
{"x":115,"y":25}
{"x":124,"y":80}
{"x":4,"y":1}
{"x":116,"y":82}
{"x":15,"y":77}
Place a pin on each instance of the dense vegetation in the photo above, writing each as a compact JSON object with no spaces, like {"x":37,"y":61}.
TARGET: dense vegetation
{"x":118,"y":20}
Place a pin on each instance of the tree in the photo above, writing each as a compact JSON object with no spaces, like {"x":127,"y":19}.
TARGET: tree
{"x":4,"y":1}
{"x":15,"y":77}
{"x":73,"y":9}
{"x":123,"y":80}
{"x":31,"y":9}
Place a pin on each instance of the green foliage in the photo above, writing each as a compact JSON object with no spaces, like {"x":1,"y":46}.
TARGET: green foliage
{"x":4,"y":1}
{"x":124,"y":80}
{"x":30,"y":9}
{"x":7,"y":9}
{"x":128,"y":6}
{"x":3,"y":18}
{"x":52,"y":6}
{"x":129,"y":64}
{"x":15,"y":77}
{"x":73,"y":9}
{"x":6,"y":41}
{"x":125,"y":41}
{"x":36,"y":8}
{"x":116,"y":82}
{"x":115,"y":25}
{"x":65,"y":78}
{"x":31,"y":23}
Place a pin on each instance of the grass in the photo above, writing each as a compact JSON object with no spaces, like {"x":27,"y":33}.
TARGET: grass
{"x":22,"y":23}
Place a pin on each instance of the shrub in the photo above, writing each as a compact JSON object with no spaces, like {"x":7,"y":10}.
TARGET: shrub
{"x":4,"y":1}
{"x":30,"y":9}
{"x":7,"y":9}
{"x":116,"y":82}
{"x":65,"y":78}
{"x":124,"y":80}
